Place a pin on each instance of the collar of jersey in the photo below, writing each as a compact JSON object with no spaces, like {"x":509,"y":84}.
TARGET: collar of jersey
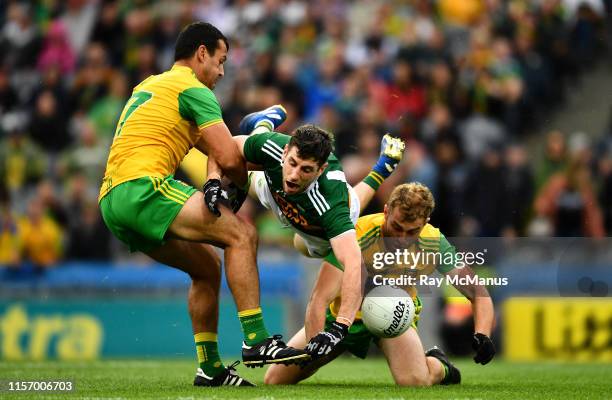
{"x":183,"y":67}
{"x":312,"y":185}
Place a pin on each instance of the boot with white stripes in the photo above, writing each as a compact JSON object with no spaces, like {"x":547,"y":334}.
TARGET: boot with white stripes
{"x":272,"y":351}
{"x":228,"y":377}
{"x":266,"y":120}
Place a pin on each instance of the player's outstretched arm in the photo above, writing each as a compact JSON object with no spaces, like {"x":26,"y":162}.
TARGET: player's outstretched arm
{"x":347,"y":252}
{"x":484,"y":315}
{"x":214,"y":193}
{"x":240,"y":140}
{"x":216,"y":141}
{"x":213,"y":169}
{"x":325,"y":290}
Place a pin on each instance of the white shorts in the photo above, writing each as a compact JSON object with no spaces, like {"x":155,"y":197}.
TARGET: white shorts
{"x":317,"y":247}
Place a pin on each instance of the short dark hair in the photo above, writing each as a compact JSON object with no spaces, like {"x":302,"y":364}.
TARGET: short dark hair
{"x":312,"y":142}
{"x":193,"y":36}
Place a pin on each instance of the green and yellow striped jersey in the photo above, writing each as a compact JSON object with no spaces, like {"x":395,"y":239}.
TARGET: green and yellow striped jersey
{"x":372,"y":241}
{"x":158,"y":126}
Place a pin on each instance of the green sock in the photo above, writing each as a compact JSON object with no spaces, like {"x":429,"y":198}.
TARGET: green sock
{"x":208,"y":354}
{"x":252,"y":326}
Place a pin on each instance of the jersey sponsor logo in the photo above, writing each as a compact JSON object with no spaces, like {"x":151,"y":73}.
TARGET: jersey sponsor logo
{"x":290,"y":211}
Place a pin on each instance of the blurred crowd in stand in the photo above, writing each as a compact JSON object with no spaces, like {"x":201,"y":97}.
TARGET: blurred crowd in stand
{"x":465,"y":83}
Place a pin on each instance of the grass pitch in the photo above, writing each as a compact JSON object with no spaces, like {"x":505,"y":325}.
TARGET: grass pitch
{"x":345,"y":378}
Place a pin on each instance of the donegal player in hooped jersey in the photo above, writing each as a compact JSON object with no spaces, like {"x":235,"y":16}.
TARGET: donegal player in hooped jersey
{"x":147,"y":209}
{"x":403,"y":223}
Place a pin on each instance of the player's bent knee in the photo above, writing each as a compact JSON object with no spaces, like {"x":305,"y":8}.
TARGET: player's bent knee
{"x":248,"y":234}
{"x":250,"y":231}
{"x":240,"y":234}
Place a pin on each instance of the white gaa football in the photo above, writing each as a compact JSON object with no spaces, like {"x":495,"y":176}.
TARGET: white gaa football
{"x":387,"y":311}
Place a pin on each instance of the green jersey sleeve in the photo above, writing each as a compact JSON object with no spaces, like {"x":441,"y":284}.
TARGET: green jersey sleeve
{"x":265,"y":148}
{"x":337,"y":221}
{"x":200,"y":105}
{"x":448,"y":256}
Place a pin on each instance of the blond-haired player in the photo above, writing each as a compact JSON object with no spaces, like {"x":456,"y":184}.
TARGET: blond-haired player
{"x":404,"y":222}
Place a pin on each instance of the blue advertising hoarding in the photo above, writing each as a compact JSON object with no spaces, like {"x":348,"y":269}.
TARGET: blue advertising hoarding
{"x":80,"y":329}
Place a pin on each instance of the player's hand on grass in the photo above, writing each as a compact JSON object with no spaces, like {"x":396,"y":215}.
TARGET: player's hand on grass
{"x":325,"y":341}
{"x":214,"y":195}
{"x":484,"y":348}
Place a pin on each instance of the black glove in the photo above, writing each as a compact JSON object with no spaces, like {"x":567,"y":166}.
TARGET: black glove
{"x":484,"y":348}
{"x":325,"y":341}
{"x":236,"y":196}
{"x":214,"y":195}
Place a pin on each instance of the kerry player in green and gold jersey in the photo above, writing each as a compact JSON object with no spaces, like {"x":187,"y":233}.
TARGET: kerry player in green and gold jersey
{"x":403,"y":224}
{"x":150,"y":211}
{"x":302,"y":182}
